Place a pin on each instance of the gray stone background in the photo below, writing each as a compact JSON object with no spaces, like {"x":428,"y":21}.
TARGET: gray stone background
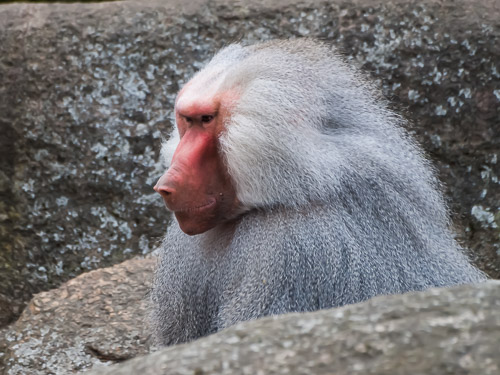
{"x":87,"y":91}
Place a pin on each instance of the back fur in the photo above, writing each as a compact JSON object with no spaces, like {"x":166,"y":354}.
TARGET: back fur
{"x":341,"y":205}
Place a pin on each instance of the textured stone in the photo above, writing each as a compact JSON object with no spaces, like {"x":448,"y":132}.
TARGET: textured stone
{"x":88,"y":89}
{"x":97,"y":318}
{"x":437,"y":332}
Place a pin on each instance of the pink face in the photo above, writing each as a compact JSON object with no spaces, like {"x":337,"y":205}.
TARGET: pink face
{"x":197,"y":186}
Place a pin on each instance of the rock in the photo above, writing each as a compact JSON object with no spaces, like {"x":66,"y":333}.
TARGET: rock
{"x":440,"y":331}
{"x":88,"y":89}
{"x":97,"y":318}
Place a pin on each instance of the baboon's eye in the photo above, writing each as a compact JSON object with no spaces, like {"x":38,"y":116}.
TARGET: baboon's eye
{"x":206,"y":118}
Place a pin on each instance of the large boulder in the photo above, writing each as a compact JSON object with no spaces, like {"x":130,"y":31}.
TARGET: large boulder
{"x":99,"y":317}
{"x":437,"y":332}
{"x":87,"y":93}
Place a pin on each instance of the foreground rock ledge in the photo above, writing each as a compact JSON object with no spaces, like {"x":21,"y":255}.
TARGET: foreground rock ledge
{"x":97,"y":318}
{"x":440,"y":331}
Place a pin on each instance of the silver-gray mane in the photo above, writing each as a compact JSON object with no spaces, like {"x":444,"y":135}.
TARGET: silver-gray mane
{"x":341,"y":205}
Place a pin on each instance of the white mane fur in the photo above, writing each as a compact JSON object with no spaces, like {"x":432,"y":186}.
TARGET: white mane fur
{"x":280,"y":124}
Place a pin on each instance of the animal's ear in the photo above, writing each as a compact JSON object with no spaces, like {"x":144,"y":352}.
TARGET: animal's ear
{"x":168,"y":147}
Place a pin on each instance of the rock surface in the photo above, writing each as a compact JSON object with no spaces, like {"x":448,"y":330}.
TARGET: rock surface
{"x":97,"y":318}
{"x":440,"y":331}
{"x":87,"y":92}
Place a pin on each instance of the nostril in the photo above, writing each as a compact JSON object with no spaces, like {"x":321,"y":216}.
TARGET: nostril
{"x":165,"y":192}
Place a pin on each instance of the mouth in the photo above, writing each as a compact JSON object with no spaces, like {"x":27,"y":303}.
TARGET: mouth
{"x":196,"y":208}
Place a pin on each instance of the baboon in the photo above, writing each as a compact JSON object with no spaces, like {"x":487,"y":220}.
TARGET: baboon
{"x":295,"y":188}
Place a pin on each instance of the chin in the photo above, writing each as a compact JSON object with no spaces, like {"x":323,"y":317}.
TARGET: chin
{"x":194,"y":226}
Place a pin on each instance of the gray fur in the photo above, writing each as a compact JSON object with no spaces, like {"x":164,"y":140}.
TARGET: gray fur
{"x":339,"y":203}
